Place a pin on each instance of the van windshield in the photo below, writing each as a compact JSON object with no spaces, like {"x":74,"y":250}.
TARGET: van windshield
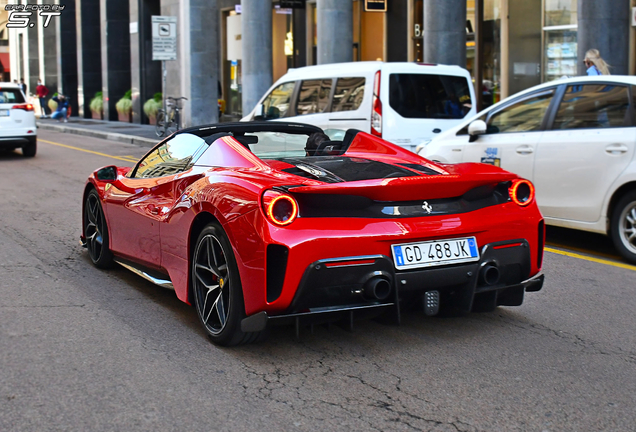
{"x":429,"y":96}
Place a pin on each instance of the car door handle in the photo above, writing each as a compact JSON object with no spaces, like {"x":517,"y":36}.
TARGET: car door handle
{"x":525,"y":150}
{"x":615,"y":149}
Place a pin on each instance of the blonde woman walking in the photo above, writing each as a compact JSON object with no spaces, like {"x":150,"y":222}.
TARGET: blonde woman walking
{"x":595,"y":64}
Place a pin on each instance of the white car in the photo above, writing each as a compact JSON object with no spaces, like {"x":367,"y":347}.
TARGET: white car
{"x":17,"y":121}
{"x":574,"y":139}
{"x":404,"y":103}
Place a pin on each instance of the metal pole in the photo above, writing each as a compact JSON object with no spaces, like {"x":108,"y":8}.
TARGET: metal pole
{"x":164,"y":73}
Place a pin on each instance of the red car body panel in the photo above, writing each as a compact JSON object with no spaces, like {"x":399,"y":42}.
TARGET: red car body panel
{"x":151,"y":220}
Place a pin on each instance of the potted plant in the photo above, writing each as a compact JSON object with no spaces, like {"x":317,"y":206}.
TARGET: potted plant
{"x":124,"y":107}
{"x":97,"y":106}
{"x":152,"y":106}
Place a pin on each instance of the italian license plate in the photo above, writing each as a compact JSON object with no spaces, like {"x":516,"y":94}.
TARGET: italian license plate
{"x":4,"y":113}
{"x":435,"y":253}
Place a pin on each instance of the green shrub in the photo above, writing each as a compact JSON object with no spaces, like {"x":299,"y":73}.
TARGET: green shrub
{"x":151,"y":107}
{"x":158,"y":97}
{"x":128,"y":95}
{"x":97,"y":103}
{"x":124,"y":106}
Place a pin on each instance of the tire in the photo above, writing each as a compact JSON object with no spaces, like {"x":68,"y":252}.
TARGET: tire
{"x":623,"y":226}
{"x":173,"y":124}
{"x":160,"y":125}
{"x":216,"y":288}
{"x":30,"y":149}
{"x":96,"y":232}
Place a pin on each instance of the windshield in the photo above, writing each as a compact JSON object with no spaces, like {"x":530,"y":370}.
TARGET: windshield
{"x":272,"y":145}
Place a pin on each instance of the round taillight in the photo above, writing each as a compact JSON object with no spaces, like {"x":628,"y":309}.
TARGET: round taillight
{"x":280,"y":209}
{"x":521,"y":192}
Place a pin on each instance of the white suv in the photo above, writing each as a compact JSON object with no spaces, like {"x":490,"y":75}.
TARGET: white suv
{"x":17,"y":121}
{"x":574,"y":139}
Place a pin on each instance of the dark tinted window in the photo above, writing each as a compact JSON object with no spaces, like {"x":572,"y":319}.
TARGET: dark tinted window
{"x":429,"y":96}
{"x":171,"y":157}
{"x":276,"y":104}
{"x":11,"y":96}
{"x":593,"y":106}
{"x":313,"y":97}
{"x":348,"y":95}
{"x":523,"y":116}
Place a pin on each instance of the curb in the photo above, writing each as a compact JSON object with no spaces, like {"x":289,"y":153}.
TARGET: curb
{"x":111,"y":136}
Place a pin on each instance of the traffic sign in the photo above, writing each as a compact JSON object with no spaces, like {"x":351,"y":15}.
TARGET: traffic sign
{"x":164,"y":37}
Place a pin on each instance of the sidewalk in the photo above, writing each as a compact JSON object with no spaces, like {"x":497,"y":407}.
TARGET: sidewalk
{"x":130,"y":133}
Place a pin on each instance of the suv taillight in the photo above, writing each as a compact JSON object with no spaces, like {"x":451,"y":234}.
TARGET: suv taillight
{"x":26,"y":107}
{"x":376,"y":112}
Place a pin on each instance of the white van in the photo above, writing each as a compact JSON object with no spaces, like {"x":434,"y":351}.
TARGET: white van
{"x":404,"y":103}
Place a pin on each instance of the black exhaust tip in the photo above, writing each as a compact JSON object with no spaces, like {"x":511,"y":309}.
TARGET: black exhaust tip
{"x":377,"y":288}
{"x":489,"y":275}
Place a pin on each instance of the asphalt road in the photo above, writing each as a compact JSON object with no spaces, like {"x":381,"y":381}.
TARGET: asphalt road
{"x":84,"y":349}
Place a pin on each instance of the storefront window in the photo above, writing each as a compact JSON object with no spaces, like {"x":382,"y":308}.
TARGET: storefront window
{"x":491,"y":69}
{"x":560,"y":39}
{"x":418,"y":31}
{"x":560,"y":12}
{"x":560,"y":54}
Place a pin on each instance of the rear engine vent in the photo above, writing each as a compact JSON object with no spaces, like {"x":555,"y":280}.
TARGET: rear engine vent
{"x":276,"y":266}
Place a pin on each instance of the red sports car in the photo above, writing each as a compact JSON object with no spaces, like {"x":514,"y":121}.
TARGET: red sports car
{"x":252,"y":227}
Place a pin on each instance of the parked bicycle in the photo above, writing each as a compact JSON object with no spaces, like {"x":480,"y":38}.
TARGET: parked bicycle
{"x":170,"y":122}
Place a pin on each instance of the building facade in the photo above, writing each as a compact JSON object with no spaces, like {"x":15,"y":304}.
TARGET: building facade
{"x":234,"y":50}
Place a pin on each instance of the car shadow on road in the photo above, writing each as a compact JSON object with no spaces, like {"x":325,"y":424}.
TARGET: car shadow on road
{"x":157,"y":311}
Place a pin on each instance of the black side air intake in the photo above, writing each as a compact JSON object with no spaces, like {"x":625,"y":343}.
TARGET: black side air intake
{"x":276,"y":266}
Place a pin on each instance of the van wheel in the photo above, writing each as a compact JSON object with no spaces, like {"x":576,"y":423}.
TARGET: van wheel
{"x":623,"y":226}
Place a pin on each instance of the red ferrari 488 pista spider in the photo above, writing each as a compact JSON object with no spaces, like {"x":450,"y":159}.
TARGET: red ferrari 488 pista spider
{"x":252,"y":228}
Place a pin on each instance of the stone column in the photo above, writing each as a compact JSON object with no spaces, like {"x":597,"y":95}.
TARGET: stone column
{"x":202,"y":52}
{"x":445,"y":32}
{"x":67,"y":56}
{"x":49,"y":42}
{"x":33,"y":56}
{"x":115,"y":42}
{"x":335,"y":31}
{"x":604,"y":25}
{"x":257,"y":75}
{"x":145,"y":74}
{"x":89,"y":58}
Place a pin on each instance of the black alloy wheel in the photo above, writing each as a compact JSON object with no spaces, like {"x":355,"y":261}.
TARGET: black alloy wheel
{"x":96,"y":231}
{"x":623,"y":226}
{"x":216,"y":288}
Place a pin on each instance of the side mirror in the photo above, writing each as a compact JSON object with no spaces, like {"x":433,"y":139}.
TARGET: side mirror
{"x":476,"y":128}
{"x":258,"y":112}
{"x":108,"y":173}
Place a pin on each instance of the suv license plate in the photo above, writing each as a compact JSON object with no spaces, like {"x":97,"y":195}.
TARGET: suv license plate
{"x":435,"y":253}
{"x":4,"y":113}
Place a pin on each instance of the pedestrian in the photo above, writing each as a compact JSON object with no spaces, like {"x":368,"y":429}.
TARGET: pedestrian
{"x":595,"y":64}
{"x":42,"y":91}
{"x":62,"y":108}
{"x":23,"y":86}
